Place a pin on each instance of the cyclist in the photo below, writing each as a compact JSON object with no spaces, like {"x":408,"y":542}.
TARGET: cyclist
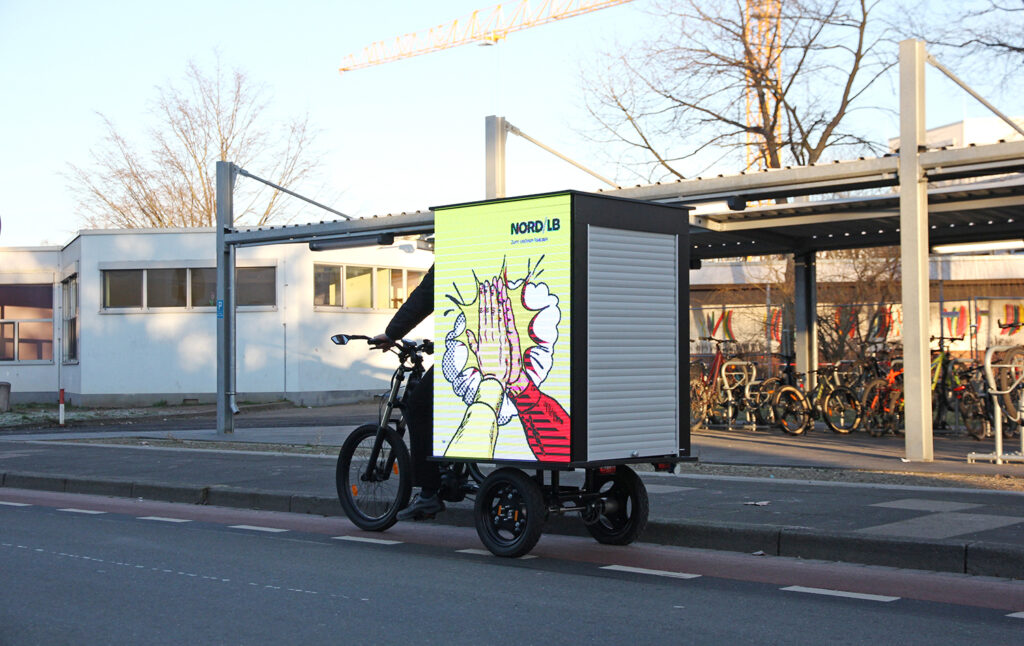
{"x":420,"y":413}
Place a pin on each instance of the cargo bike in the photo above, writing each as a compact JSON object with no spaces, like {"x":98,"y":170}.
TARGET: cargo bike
{"x":586,"y":318}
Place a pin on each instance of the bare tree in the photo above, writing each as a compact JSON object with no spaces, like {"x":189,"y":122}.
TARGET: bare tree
{"x":169,"y":181}
{"x":721,"y":76}
{"x":990,"y":32}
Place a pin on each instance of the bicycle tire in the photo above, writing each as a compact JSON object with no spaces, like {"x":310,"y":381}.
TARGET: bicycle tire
{"x":895,"y":417}
{"x":629,"y":518}
{"x":509,"y":513}
{"x":972,"y":412}
{"x":792,"y":412}
{"x":763,"y":400}
{"x":841,"y":410}
{"x":698,"y":406}
{"x":872,"y":406}
{"x":1005,"y":378}
{"x":373,"y":505}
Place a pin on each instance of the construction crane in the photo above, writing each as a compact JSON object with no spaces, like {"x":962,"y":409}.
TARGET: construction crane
{"x":764,"y":69}
{"x":482,"y":26}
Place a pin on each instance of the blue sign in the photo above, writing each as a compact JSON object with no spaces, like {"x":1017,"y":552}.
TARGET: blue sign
{"x":220,"y":308}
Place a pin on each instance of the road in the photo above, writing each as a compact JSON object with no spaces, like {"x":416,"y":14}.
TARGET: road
{"x":89,"y":569}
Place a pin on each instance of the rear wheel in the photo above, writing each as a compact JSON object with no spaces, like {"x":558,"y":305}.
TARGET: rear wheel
{"x":698,"y":406}
{"x":373,"y":494}
{"x":895,"y":417}
{"x":792,"y":413}
{"x":1006,"y":377}
{"x":763,"y":394}
{"x":972,"y":411}
{"x":872,"y":406}
{"x":509,"y":513}
{"x":842,"y":410}
{"x":625,"y":507}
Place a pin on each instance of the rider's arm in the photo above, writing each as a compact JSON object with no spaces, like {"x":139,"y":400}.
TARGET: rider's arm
{"x":417,"y":307}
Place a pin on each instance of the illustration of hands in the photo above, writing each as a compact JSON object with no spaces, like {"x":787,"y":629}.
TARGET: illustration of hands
{"x":496,"y":347}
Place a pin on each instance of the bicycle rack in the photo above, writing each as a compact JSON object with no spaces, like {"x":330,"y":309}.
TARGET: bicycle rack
{"x":998,"y":456}
{"x":749,"y":371}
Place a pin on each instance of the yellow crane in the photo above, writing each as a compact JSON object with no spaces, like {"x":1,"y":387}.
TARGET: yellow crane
{"x":764,"y":70}
{"x":481,"y":26}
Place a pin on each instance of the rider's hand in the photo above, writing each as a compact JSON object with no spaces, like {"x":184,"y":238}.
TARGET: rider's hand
{"x":381,"y":342}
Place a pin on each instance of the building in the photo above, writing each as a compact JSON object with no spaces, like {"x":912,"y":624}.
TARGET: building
{"x":128,"y":317}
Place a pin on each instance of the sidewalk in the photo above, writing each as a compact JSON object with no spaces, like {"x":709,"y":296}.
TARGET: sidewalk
{"x":951,"y":527}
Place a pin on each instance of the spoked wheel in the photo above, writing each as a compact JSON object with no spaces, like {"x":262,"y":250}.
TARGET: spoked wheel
{"x":792,"y":414}
{"x":625,"y":507}
{"x":972,"y":410}
{"x":509,"y":513}
{"x":765,"y":393}
{"x":1012,"y":363}
{"x":896,"y":413}
{"x":842,"y":410}
{"x":372,"y":497}
{"x":872,"y":406}
{"x":698,"y":406}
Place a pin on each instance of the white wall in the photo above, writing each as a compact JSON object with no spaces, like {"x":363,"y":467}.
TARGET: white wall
{"x":22,"y":266}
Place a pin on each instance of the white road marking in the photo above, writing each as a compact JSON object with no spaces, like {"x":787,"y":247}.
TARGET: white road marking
{"x":1016,"y":615}
{"x":363,"y":539}
{"x":165,"y":520}
{"x":15,"y":504}
{"x":478,"y":552}
{"x":81,"y":511}
{"x":640,"y":570}
{"x":841,"y":593}
{"x":255,"y":528}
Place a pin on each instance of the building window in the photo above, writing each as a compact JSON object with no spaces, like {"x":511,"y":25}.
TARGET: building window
{"x":26,"y":323}
{"x":357,"y":287}
{"x":182,"y":288}
{"x":69,"y":314}
{"x":166,"y":287}
{"x":122,"y":288}
{"x":255,"y":286}
{"x":204,"y":286}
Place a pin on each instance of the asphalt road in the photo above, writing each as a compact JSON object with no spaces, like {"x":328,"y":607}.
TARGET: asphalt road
{"x":86,"y":569}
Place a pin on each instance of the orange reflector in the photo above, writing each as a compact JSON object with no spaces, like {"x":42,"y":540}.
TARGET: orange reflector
{"x":394,"y":468}
{"x":355,"y":491}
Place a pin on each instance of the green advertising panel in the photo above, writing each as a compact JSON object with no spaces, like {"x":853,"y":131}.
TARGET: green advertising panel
{"x":501,"y":320}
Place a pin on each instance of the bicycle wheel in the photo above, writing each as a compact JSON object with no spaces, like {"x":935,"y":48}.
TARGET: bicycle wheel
{"x":1013,"y":359}
{"x":841,"y":410}
{"x":972,"y":411}
{"x":626,"y":507}
{"x":372,"y":497}
{"x":895,"y":416}
{"x":792,"y":413}
{"x":763,"y":400}
{"x":509,"y":513}
{"x":698,"y":406}
{"x":872,"y":406}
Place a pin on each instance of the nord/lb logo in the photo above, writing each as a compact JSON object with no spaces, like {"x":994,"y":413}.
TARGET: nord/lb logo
{"x":535,"y":226}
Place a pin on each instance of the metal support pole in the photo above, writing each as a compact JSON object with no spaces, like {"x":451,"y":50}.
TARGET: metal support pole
{"x":806,"y":315}
{"x":225,"y":300}
{"x":914,"y":254}
{"x":496,"y":132}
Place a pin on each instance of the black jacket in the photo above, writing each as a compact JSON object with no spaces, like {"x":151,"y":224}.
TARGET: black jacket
{"x":417,"y":307}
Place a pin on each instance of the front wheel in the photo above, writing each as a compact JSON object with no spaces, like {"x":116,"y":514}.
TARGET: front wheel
{"x":792,"y":413}
{"x":509,"y":513}
{"x":373,"y":492}
{"x":972,"y":410}
{"x":873,"y":405}
{"x":842,"y":410}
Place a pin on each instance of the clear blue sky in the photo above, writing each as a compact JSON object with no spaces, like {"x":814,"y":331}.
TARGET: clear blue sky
{"x":398,"y":137}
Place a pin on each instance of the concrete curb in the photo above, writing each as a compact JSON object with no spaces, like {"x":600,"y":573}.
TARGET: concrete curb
{"x":967,"y":557}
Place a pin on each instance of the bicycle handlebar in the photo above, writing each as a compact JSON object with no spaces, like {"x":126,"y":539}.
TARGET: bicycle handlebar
{"x":406,"y":346}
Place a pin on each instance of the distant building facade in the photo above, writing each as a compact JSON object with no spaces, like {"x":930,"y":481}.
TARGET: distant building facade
{"x":128,"y":317}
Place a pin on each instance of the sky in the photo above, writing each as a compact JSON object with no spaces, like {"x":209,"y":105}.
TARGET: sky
{"x":399,"y":137}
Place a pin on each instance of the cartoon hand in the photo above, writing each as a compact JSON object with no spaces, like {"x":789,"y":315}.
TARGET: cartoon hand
{"x":497,"y":345}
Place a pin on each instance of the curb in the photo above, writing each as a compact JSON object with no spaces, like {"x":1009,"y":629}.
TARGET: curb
{"x":964,"y":557}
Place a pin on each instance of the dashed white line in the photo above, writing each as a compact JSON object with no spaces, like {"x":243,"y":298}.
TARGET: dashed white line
{"x":841,"y":593}
{"x":81,"y":511}
{"x":256,"y":528}
{"x":15,"y":504}
{"x":640,"y":570}
{"x":477,"y":552}
{"x":1016,"y":615}
{"x":165,"y":520}
{"x":363,"y":539}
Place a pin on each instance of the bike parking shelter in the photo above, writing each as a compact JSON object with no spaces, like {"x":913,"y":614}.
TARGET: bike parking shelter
{"x":919,"y":212}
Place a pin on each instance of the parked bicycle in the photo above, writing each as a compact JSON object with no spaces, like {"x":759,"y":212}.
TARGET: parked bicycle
{"x":721,"y":391}
{"x":374,"y":474}
{"x":954,"y":391}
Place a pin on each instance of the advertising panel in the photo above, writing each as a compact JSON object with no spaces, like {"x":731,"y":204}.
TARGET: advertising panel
{"x":501,"y":320}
